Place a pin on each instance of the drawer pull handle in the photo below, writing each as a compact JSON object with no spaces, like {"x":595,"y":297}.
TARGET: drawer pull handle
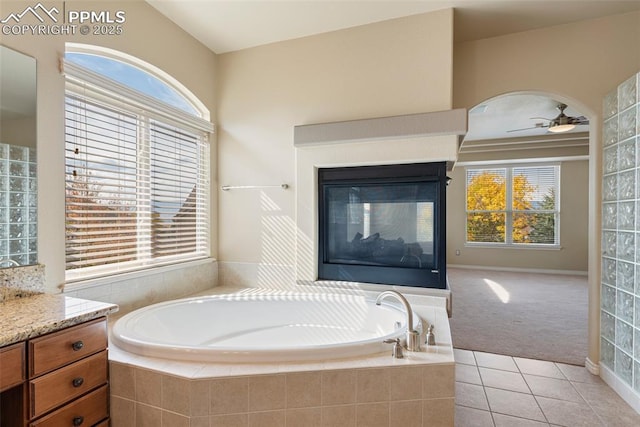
{"x":77,"y":382}
{"x":77,"y":421}
{"x":76,"y":346}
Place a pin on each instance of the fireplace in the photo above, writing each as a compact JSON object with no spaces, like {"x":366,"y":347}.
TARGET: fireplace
{"x":383,"y":224}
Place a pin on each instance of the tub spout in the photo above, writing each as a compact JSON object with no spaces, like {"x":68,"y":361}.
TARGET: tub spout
{"x":413,"y":337}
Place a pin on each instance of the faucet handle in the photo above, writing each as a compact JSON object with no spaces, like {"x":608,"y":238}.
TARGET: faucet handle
{"x":396,"y":353}
{"x":430,"y":338}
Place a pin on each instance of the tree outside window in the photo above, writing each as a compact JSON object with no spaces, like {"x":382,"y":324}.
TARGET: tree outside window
{"x":513,"y":205}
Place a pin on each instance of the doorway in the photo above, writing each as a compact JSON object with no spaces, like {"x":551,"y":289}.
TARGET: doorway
{"x":512,"y":130}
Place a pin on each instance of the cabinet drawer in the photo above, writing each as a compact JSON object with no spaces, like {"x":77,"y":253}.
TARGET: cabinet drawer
{"x":12,"y":362}
{"x":86,"y":411}
{"x":61,"y":348}
{"x":65,"y":384}
{"x":104,"y":423}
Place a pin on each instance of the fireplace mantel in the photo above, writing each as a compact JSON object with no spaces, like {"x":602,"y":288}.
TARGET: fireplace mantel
{"x":354,"y":150}
{"x":437,"y":123}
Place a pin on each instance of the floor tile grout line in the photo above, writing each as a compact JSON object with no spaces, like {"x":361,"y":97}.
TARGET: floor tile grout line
{"x":564,"y":377}
{"x":602,"y":423}
{"x":561,"y":371}
{"x":484,"y":387}
{"x":600,"y":419}
{"x":476,"y":409}
{"x":484,"y":390}
{"x":546,"y":420}
{"x":493,"y":419}
{"x":472,"y":407}
{"x":523,"y":418}
{"x":532,"y":394}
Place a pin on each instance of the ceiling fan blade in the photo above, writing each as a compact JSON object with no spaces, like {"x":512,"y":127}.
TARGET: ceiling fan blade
{"x":538,"y":126}
{"x":582,"y":120}
{"x":539,"y":118}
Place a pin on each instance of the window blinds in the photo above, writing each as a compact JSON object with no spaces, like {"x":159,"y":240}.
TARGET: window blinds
{"x":136,"y":189}
{"x":513,"y":205}
{"x":177,"y":201}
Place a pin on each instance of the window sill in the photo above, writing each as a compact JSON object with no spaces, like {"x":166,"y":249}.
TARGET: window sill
{"x":129,"y":275}
{"x":530,"y":246}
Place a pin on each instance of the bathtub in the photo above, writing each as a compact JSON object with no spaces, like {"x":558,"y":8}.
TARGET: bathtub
{"x":261,"y":328}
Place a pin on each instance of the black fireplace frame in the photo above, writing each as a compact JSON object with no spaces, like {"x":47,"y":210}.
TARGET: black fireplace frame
{"x":379,"y":174}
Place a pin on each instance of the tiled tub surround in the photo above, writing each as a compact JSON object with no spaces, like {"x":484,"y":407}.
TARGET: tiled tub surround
{"x":18,"y":282}
{"x":620,"y":291}
{"x":369,"y":391}
{"x":139,"y":289}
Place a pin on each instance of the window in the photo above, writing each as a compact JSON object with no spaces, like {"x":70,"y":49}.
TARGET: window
{"x":137,"y":169}
{"x":513,"y":205}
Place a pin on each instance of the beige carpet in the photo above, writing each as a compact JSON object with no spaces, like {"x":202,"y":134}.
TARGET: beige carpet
{"x":537,"y":316}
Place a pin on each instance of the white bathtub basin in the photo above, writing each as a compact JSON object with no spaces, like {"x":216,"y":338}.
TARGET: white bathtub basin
{"x":260,"y":328}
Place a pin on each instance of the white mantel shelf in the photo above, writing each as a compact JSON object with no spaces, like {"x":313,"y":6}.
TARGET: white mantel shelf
{"x":437,"y":123}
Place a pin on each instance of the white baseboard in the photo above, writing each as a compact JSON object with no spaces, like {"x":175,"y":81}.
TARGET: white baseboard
{"x":518,"y":270}
{"x":593,"y":368}
{"x":629,"y":395}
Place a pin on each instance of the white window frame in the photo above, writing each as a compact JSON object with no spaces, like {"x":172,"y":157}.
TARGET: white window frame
{"x":81,"y":82}
{"x":509,"y":212}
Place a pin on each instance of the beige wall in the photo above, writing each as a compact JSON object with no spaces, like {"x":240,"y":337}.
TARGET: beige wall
{"x":383,"y":69}
{"x":577,"y":63}
{"x":581,"y":61}
{"x":574,"y":215}
{"x":19,"y":132}
{"x":147,"y":35}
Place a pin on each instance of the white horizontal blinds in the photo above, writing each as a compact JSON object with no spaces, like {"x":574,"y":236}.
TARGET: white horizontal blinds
{"x":136,"y":179}
{"x":513,"y":205}
{"x":535,"y":188}
{"x":535,"y":204}
{"x":178,"y":189}
{"x":101,"y":184}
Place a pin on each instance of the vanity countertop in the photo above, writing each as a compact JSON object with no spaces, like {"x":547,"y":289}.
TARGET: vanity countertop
{"x":32,"y":316}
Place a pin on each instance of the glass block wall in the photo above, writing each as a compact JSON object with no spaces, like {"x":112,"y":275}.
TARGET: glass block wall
{"x":620,"y":292}
{"x":18,"y":201}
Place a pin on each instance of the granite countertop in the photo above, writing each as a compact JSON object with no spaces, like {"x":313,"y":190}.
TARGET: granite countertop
{"x":32,"y":316}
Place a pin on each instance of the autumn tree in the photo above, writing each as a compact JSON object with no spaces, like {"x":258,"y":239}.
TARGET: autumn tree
{"x":522,"y":196}
{"x":486,"y":203}
{"x":487,"y":208}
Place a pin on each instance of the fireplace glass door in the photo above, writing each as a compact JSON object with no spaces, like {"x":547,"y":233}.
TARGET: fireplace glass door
{"x":383,"y":229}
{"x":381,"y":225}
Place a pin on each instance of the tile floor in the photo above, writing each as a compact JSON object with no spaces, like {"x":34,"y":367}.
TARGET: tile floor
{"x":502,"y":391}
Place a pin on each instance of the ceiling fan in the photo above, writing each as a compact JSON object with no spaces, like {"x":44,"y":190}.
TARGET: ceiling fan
{"x":561,"y":123}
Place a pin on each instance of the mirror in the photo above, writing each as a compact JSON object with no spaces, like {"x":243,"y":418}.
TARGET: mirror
{"x":18,"y":180}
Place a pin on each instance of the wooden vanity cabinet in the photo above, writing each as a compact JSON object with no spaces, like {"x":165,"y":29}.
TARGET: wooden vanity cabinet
{"x":12,"y":362}
{"x":13,"y":389}
{"x":64,"y":381}
{"x":60,"y":348}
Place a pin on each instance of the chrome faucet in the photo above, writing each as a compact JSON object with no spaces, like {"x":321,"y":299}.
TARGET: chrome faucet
{"x":413,"y":337}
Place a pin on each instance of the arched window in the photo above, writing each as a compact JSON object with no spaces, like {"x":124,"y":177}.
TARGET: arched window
{"x":137,"y":165}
